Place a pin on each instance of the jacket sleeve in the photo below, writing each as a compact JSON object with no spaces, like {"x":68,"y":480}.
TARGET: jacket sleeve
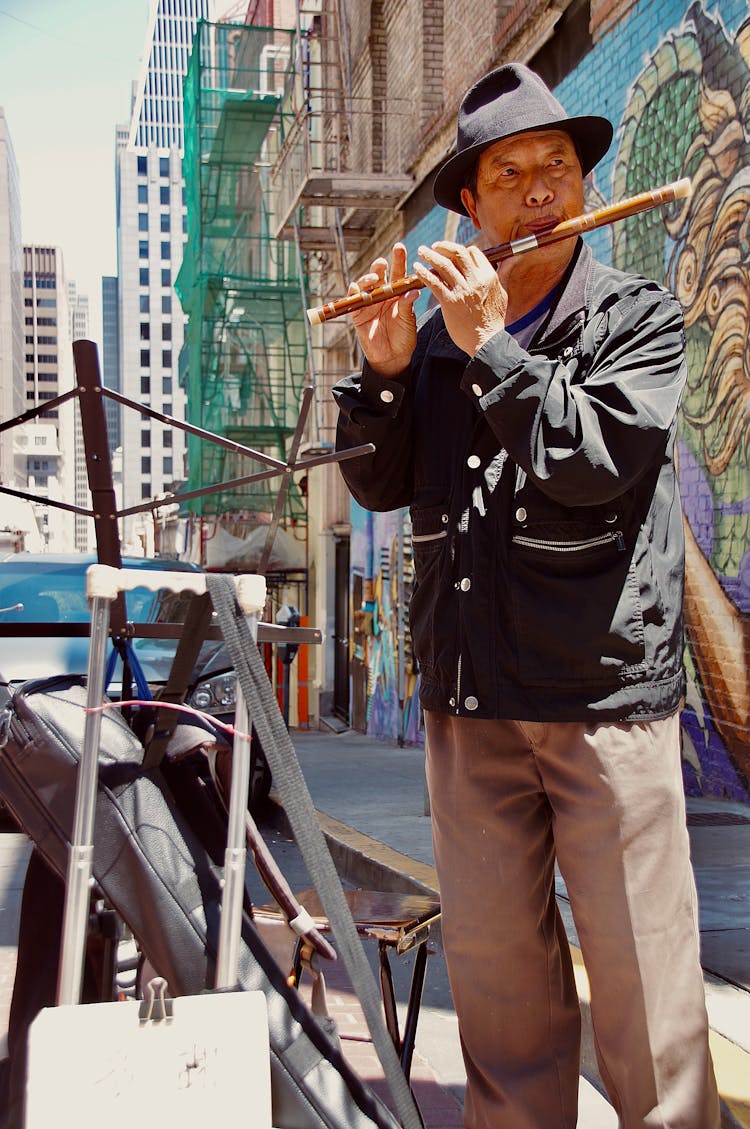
{"x":585,"y":426}
{"x":378,"y":410}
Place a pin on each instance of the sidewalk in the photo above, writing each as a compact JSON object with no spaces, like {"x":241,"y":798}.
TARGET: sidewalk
{"x":371,"y":800}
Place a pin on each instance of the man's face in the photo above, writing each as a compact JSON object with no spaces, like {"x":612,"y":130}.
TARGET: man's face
{"x":525,"y":184}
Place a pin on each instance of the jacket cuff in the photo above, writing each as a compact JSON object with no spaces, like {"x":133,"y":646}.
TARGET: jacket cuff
{"x":490,"y":365}
{"x":382,"y":393}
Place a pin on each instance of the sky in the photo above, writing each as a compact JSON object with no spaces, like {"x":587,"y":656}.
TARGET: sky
{"x":66,"y":73}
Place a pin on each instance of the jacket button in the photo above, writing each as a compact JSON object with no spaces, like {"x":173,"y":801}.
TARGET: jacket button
{"x":611,"y":519}
{"x":476,"y":389}
{"x":521,"y":514}
{"x":473,"y":461}
{"x":451,"y":702}
{"x":568,"y":352}
{"x":444,"y":519}
{"x":471,"y":702}
{"x":386,"y":396}
{"x":465,"y":584}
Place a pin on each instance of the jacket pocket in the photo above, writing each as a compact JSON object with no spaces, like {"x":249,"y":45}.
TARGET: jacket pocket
{"x":576,"y":606}
{"x":430,"y":546}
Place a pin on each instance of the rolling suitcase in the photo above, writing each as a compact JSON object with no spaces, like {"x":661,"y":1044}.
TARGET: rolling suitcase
{"x":152,"y":868}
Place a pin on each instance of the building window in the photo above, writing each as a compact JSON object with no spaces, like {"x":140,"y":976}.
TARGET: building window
{"x":164,"y":194}
{"x":143,"y":276}
{"x":143,"y":194}
{"x":165,"y":251}
{"x":145,"y":331}
{"x":167,"y":407}
{"x":143,"y":248}
{"x":167,"y":465}
{"x":166,"y":278}
{"x":166,"y":358}
{"x":166,"y":303}
{"x":166,"y":439}
{"x":146,"y":464}
{"x":163,"y":166}
{"x":166,"y":331}
{"x":145,"y":386}
{"x":146,"y":438}
{"x":145,"y":489}
{"x":145,"y":358}
{"x":142,"y":166}
{"x":164,"y":219}
{"x":166,"y":386}
{"x":144,"y":303}
{"x":143,"y":221}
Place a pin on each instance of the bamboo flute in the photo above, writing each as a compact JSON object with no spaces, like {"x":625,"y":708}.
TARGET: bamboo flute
{"x":643,"y":202}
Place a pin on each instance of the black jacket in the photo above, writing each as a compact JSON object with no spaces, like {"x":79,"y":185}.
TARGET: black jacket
{"x":546,"y":519}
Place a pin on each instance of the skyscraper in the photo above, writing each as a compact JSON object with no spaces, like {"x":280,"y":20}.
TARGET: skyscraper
{"x":12,"y":468}
{"x":48,"y":440}
{"x":110,"y":358}
{"x":78,"y":324}
{"x":150,"y":235}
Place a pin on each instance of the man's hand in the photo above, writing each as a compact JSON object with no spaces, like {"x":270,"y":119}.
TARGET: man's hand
{"x":471,"y":295}
{"x":387,"y":331}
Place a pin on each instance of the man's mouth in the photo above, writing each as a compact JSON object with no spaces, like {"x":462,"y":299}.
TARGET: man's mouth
{"x":541,"y":226}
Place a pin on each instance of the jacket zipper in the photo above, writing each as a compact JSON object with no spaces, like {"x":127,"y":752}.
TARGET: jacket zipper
{"x":429,"y":536}
{"x":571,"y":546}
{"x":458,"y":685}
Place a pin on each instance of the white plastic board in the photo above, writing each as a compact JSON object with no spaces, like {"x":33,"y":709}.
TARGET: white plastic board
{"x":98,"y":1064}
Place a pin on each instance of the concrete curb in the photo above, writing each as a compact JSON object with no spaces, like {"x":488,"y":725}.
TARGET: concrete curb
{"x":365,"y":862}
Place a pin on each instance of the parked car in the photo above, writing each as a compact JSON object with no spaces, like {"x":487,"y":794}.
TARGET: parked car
{"x":50,"y":589}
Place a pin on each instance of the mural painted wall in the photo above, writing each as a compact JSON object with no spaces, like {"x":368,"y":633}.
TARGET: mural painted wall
{"x":675,"y":81}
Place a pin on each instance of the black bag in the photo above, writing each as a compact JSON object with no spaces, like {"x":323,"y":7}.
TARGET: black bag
{"x":153,"y":869}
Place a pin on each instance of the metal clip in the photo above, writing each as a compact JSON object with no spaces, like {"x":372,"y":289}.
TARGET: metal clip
{"x":156,"y":1006}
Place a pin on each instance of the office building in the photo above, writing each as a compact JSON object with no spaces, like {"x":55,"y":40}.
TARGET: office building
{"x":150,"y":236}
{"x":12,"y":466}
{"x":48,"y":441}
{"x":78,"y":326}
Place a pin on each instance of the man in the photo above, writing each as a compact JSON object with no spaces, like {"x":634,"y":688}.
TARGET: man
{"x":529,"y":424}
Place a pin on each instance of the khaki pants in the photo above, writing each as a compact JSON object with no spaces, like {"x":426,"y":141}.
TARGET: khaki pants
{"x":508,"y":798}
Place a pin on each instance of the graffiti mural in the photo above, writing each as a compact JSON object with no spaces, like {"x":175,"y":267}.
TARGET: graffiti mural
{"x":674,"y":78}
{"x":381,"y":556}
{"x":687,"y":114}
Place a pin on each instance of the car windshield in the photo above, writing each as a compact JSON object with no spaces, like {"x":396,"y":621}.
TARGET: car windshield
{"x":52,"y":590}
{"x":34,"y":591}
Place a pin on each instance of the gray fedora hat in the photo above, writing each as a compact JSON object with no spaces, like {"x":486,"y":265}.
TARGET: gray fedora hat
{"x":507,"y":101}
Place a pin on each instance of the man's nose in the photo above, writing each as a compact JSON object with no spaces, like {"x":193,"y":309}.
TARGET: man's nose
{"x":539,"y":192}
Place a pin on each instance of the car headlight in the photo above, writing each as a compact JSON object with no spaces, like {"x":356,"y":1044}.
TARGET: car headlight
{"x":215,"y":695}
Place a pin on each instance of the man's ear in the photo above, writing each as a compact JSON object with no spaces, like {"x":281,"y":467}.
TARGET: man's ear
{"x":468,"y":201}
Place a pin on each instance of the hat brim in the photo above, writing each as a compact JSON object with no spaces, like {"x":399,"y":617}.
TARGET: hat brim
{"x":592,"y":137}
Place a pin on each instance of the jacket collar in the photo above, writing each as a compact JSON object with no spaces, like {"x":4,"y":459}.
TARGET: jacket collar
{"x":572,"y":301}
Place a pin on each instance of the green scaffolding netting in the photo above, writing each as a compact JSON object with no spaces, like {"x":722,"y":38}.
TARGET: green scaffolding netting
{"x":244,"y":359}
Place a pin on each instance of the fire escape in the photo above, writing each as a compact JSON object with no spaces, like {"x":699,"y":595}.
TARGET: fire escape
{"x":338,"y":170}
{"x":244,"y":361}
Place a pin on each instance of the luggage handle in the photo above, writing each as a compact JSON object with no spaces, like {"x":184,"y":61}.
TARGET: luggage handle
{"x":106,"y":581}
{"x":103,"y":585}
